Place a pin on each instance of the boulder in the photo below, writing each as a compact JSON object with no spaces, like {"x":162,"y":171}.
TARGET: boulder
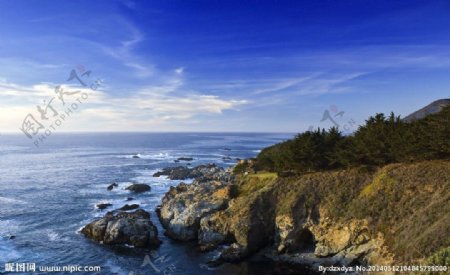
{"x":127,"y":207}
{"x":185,"y":205}
{"x":124,"y":228}
{"x":138,"y":187}
{"x":185,"y":159}
{"x":174,"y":173}
{"x":102,"y":206}
{"x":233,"y":253}
{"x":111,"y":186}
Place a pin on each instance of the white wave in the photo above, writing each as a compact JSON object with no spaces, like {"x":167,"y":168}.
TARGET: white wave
{"x":52,"y":235}
{"x":157,"y":156}
{"x":11,"y":200}
{"x":8,"y":227}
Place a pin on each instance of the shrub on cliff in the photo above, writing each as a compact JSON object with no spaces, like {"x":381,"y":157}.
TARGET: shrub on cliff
{"x":381,"y":140}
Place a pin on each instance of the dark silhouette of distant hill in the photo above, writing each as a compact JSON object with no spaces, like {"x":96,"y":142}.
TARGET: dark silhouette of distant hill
{"x":432,"y":108}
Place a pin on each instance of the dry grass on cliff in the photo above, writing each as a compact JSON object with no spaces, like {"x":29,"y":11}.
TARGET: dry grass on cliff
{"x":408,"y":203}
{"x":252,"y":183}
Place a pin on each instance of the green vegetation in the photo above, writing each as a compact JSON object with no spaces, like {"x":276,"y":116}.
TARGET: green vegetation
{"x":255,"y":182}
{"x":395,"y":175}
{"x":382,"y":140}
{"x":440,"y":258}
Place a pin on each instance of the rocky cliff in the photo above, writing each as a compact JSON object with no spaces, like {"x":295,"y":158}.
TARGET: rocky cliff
{"x":395,"y":214}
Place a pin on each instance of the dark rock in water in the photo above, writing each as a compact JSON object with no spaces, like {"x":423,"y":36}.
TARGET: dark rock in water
{"x":226,"y":158}
{"x":138,"y":187}
{"x":103,"y":205}
{"x":185,"y":159}
{"x":12,"y":237}
{"x":174,"y":173}
{"x":129,"y":199}
{"x":127,"y":207}
{"x":111,"y":186}
{"x":226,"y":149}
{"x":136,"y":157}
{"x":234,"y":253}
{"x":123,"y":228}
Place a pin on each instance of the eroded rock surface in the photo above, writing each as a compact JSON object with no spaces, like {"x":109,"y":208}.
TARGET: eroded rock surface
{"x":205,"y":172}
{"x":257,"y":213}
{"x":183,"y":206}
{"x":124,"y":228}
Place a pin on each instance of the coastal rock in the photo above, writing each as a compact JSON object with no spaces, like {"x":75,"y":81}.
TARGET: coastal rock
{"x":183,"y":207}
{"x":262,"y":217}
{"x":102,"y":206}
{"x":248,"y":222}
{"x":185,"y":159}
{"x":123,"y":228}
{"x":174,"y":173}
{"x":205,"y":172}
{"x":127,"y":207}
{"x":233,"y":253}
{"x":111,"y":186}
{"x":209,"y":172}
{"x":138,"y":187}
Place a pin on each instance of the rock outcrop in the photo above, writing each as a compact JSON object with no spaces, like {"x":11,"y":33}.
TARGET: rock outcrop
{"x":138,"y":188}
{"x":111,"y":186}
{"x":128,"y":207}
{"x":201,"y":173}
{"x":185,"y":205}
{"x":343,"y":217}
{"x":102,"y":206}
{"x":123,"y":229}
{"x":185,"y":159}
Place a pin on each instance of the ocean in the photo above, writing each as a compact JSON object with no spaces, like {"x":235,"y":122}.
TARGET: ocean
{"x":48,"y":193}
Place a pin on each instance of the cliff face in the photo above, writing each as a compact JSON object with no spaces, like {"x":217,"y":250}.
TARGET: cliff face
{"x":395,"y":214}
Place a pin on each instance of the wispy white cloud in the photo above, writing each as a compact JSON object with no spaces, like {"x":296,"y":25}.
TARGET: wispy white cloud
{"x":158,"y":105}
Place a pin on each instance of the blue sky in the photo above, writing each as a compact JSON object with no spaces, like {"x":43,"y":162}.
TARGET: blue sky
{"x":266,"y":66}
